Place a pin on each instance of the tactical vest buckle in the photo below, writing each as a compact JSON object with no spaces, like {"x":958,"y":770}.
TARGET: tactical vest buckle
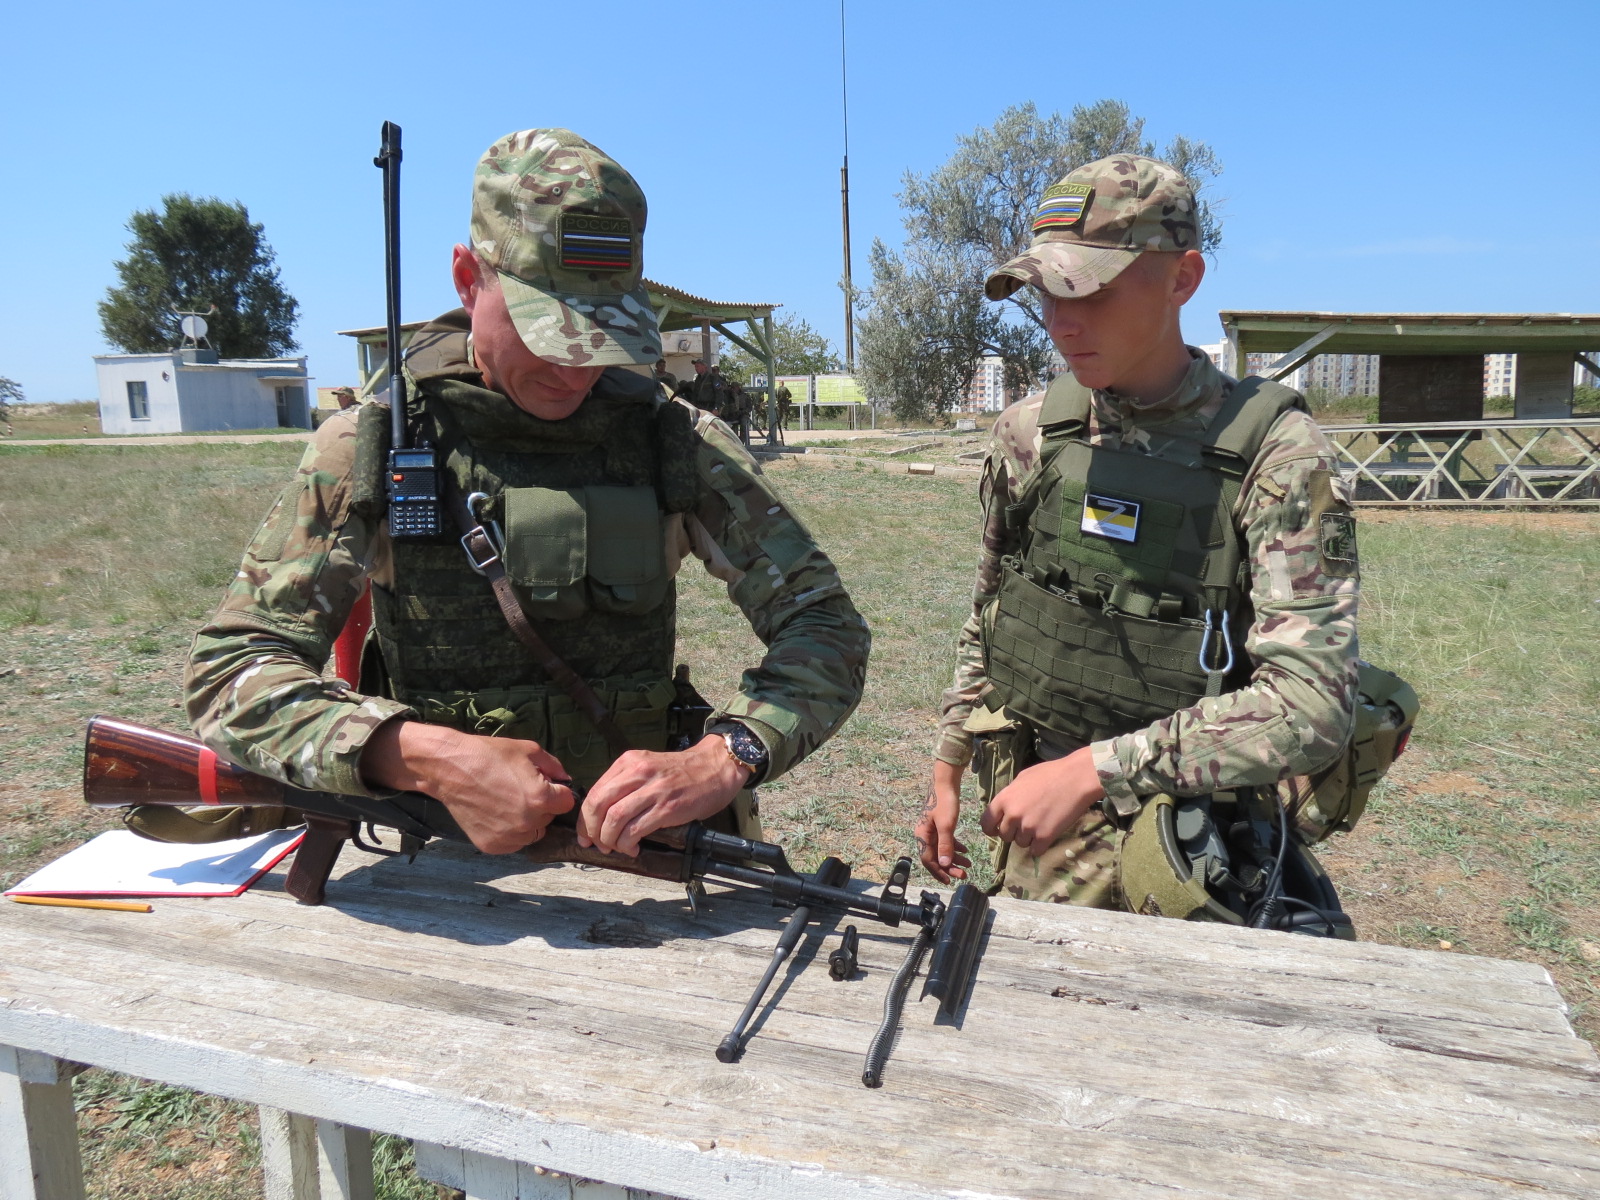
{"x":483,"y":547}
{"x":1227,"y":644}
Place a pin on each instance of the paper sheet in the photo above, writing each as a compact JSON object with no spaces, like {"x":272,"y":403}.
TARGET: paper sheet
{"x":120,"y":863}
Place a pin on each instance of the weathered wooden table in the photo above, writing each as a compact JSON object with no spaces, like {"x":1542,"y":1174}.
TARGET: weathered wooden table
{"x":564,"y":1019}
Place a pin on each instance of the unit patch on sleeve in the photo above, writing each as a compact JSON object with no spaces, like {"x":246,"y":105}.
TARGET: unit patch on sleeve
{"x":590,"y":242}
{"x":1338,"y":538}
{"x":1109,"y":518}
{"x":1063,"y":206}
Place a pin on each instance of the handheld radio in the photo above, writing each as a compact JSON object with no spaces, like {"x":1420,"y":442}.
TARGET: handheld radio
{"x":412,"y":483}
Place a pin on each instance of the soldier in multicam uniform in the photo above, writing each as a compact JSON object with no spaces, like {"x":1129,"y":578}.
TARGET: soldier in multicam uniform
{"x":602,"y":486}
{"x":1142,"y":518}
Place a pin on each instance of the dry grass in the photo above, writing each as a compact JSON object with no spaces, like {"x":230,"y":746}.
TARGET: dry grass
{"x":1485,"y":836}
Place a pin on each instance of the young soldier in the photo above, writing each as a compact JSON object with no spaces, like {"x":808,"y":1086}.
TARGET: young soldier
{"x":598,"y":487}
{"x":1166,"y":593}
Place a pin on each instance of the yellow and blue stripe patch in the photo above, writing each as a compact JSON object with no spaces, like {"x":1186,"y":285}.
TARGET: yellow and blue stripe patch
{"x":1063,"y":206}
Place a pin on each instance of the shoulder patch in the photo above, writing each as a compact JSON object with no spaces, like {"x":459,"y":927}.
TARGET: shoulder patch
{"x":1337,"y":533}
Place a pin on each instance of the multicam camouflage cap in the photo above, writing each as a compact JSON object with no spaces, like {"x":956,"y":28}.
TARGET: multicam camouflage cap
{"x":563,"y":225}
{"x":1096,"y":221}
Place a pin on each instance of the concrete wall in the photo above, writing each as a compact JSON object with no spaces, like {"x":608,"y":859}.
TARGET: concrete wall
{"x":159,"y":374}
{"x":194,"y":397}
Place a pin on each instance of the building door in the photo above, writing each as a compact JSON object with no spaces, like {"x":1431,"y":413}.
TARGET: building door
{"x":291,"y":407}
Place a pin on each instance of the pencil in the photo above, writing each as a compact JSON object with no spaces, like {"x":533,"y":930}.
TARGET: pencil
{"x":63,"y":902}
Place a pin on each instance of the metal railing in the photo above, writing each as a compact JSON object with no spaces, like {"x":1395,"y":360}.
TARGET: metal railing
{"x":1472,"y":464}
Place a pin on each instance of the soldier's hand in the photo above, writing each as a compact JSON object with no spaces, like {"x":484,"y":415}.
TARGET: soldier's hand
{"x":1044,"y":802}
{"x":943,"y":855}
{"x":503,"y":792}
{"x":646,"y":790}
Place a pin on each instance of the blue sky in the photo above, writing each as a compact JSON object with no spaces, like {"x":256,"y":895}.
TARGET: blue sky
{"x":1397,"y":156}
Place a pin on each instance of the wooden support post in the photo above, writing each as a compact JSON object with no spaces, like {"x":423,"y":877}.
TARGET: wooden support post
{"x":289,"y":1156}
{"x":306,"y":1159}
{"x":38,"y":1128}
{"x":344,"y":1161}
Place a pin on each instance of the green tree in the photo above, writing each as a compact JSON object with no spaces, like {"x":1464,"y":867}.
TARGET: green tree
{"x":798,"y":348}
{"x":10,"y":393}
{"x":195,"y":253}
{"x":925,"y":324}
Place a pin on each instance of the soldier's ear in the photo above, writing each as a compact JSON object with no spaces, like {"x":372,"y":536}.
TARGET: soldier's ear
{"x":1187,"y":275}
{"x":466,"y":272}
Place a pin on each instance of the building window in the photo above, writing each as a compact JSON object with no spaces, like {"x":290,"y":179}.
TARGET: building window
{"x":138,"y":400}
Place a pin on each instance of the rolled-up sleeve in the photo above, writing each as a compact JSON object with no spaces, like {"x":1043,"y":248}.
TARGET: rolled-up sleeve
{"x":811,"y":676}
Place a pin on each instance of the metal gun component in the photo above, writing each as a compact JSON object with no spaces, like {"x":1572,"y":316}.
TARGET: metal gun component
{"x":842,"y":963}
{"x":894,"y":1004}
{"x":955,"y":954}
{"x":832,"y":873}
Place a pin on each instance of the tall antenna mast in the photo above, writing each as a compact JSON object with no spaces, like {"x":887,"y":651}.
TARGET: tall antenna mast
{"x":844,"y":199}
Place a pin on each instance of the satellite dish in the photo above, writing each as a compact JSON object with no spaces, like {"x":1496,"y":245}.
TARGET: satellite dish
{"x":193,"y":327}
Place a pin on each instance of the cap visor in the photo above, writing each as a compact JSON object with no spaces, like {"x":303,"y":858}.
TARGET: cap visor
{"x":1069,"y":270}
{"x":583,"y":331}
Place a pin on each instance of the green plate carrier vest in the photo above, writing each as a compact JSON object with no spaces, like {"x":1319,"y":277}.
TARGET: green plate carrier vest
{"x":1130,"y":569}
{"x":582,"y":505}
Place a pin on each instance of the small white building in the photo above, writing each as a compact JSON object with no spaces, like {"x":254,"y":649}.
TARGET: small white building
{"x":182,"y":392}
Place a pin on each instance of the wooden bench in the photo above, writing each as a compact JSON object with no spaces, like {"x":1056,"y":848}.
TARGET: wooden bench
{"x":519,"y":1023}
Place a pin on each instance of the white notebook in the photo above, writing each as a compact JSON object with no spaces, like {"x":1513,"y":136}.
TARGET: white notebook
{"x":121,"y":863}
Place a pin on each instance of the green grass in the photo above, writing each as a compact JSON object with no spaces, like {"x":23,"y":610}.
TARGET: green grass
{"x":1484,"y":836}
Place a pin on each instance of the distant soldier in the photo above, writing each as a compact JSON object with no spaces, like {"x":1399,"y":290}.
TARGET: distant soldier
{"x":1166,"y":594}
{"x":708,"y":390}
{"x":346,"y":397}
{"x":785,"y":399}
{"x":666,"y":378}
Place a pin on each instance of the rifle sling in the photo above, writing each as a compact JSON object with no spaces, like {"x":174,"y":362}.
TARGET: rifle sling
{"x":484,"y":554}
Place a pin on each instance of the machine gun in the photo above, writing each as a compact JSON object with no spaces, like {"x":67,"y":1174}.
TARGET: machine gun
{"x":129,"y":766}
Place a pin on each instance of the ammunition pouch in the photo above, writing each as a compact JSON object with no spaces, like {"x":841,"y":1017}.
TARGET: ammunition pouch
{"x":1001,"y":747}
{"x":574,"y":550}
{"x":1334,"y":798}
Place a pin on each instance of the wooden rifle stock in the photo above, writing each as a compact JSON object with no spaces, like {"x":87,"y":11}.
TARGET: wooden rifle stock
{"x":126,"y":765}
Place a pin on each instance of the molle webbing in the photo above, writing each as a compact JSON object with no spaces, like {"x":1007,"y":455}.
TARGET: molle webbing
{"x":439,"y":626}
{"x":1099,"y":620}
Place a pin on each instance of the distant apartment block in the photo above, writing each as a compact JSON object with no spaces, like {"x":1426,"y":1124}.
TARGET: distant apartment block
{"x":987,"y":391}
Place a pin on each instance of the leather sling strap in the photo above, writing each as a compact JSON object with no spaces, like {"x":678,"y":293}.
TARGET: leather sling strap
{"x":483,"y":552}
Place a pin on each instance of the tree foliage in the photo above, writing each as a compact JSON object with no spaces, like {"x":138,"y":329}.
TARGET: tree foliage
{"x":798,"y":349}
{"x":195,"y":253}
{"x":925,"y":323}
{"x":10,"y":393}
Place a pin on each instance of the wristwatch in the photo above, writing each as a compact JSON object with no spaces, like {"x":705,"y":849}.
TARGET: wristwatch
{"x":744,"y":748}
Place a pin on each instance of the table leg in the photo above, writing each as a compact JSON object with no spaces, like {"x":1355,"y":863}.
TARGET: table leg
{"x":485,"y":1178}
{"x":39,"y":1157}
{"x":344,"y":1155}
{"x":306,"y":1159}
{"x":289,"y":1156}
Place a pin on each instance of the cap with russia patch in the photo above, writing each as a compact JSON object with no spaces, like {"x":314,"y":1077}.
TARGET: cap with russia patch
{"x":1097,"y":220}
{"x":563,"y":225}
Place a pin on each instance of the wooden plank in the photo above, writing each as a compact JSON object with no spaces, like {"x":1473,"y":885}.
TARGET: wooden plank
{"x":39,"y":1157}
{"x":571,"y":1025}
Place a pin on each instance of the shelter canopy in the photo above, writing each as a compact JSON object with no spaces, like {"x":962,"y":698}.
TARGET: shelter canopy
{"x":675,"y":311}
{"x":1300,"y":336}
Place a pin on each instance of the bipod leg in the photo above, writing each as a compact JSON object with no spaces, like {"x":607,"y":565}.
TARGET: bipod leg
{"x":832,"y":873}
